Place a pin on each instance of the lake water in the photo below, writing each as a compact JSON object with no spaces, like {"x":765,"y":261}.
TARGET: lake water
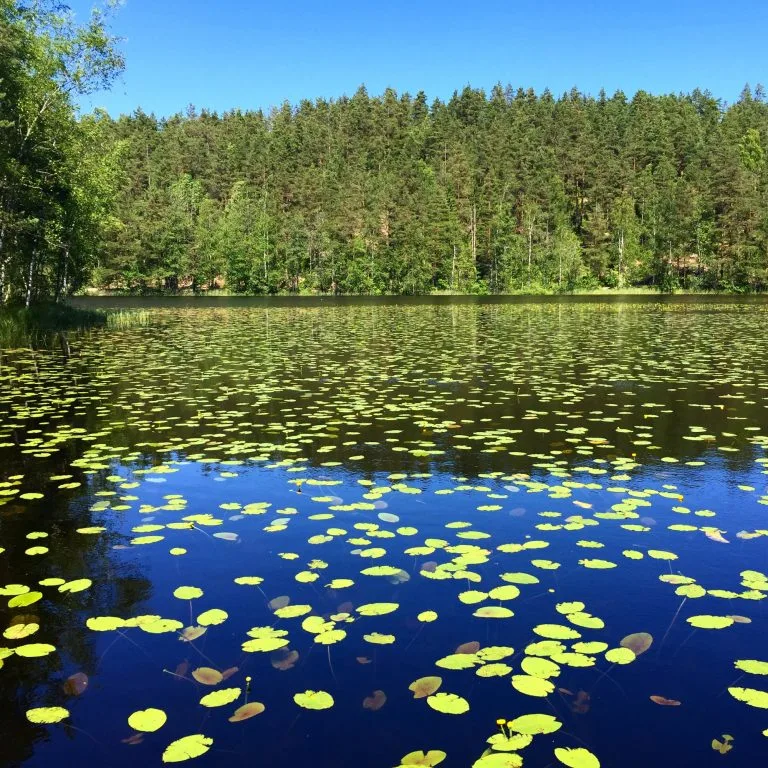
{"x":527,"y":481}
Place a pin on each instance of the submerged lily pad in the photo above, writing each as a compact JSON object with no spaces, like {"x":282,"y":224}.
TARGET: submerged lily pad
{"x":247,"y":711}
{"x":425,"y":686}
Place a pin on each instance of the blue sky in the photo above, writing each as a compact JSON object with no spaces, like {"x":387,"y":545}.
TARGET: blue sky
{"x":222,"y":54}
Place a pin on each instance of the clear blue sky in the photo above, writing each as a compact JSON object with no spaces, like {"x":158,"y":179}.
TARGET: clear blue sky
{"x":222,"y":54}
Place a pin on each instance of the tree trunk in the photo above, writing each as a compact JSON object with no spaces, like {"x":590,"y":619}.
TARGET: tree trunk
{"x":30,"y":278}
{"x":530,"y":249}
{"x":61,"y":274}
{"x":2,"y":266}
{"x":621,"y":258}
{"x":474,"y":234}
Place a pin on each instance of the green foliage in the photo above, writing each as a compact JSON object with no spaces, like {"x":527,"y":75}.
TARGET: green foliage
{"x":57,"y":172}
{"x":506,"y":192}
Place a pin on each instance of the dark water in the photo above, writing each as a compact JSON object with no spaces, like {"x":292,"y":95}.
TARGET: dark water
{"x":588,"y":427}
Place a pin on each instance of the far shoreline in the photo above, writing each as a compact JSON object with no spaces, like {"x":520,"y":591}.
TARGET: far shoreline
{"x":223,"y":293}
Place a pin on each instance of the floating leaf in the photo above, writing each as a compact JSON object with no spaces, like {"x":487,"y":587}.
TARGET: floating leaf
{"x":293,"y":611}
{"x":20,"y":631}
{"x":659,"y":554}
{"x":377,"y":638}
{"x":620,"y":656}
{"x":459,"y":661}
{"x":710,"y":622}
{"x":493,"y":612}
{"x":316,"y":624}
{"x":556,"y":632}
{"x":314,"y":700}
{"x":427,"y":616}
{"x":448,"y":703}
{"x":377,"y":609}
{"x":147,"y":720}
{"x":340,"y":583}
{"x":505,"y":592}
{"x":381,"y":570}
{"x":331,"y":636}
{"x":586,"y":620}
{"x":493,"y":670}
{"x":536,"y":666}
{"x":532,"y":686}
{"x":724,"y":746}
{"x":306,"y":577}
{"x":187,"y":748}
{"x":752,"y":666}
{"x":495,"y":652}
{"x":160,"y":626}
{"x":47,"y":715}
{"x":212,"y":617}
{"x":104,"y":623}
{"x":499,"y":760}
{"x":594,"y":646}
{"x":429,"y":759}
{"x":22,"y":601}
{"x":221,"y":697}
{"x":187,"y":593}
{"x":34,"y":650}
{"x":749,"y":696}
{"x":535,"y":724}
{"x":576,"y":758}
{"x":503,"y":743}
{"x":264,"y":644}
{"x":473,"y":596}
{"x":250,"y":581}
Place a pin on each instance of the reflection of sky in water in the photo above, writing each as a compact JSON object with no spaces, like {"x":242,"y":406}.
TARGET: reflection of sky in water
{"x":296,"y":370}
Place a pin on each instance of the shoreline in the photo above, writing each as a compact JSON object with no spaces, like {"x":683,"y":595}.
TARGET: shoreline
{"x":189,"y":294}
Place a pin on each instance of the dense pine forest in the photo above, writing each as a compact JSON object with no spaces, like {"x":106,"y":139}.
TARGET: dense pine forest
{"x":501,"y":191}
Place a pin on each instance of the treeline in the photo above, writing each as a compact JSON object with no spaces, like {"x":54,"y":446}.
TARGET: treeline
{"x":57,"y":171}
{"x":498,"y":192}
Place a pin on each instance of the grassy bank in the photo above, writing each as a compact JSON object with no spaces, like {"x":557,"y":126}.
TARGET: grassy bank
{"x":36,"y":325}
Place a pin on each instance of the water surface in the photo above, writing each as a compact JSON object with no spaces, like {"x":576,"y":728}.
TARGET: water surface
{"x":611,"y":451}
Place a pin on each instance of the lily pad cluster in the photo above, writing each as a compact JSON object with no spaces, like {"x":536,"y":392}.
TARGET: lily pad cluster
{"x":424,"y":481}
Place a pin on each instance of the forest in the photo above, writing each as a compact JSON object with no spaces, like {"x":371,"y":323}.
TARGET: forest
{"x":499,"y":191}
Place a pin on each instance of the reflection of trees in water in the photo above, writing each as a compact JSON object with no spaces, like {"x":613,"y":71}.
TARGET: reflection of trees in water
{"x":118,"y":589}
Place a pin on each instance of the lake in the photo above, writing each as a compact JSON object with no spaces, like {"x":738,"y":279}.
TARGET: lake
{"x":343,"y":532}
